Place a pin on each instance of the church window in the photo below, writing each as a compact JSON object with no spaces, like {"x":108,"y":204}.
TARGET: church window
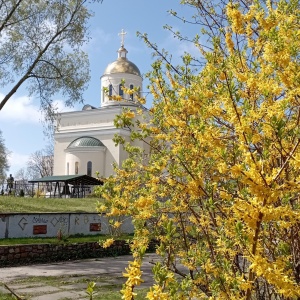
{"x":110,"y":90}
{"x":76,"y":167}
{"x":131,"y":95}
{"x":120,"y":89}
{"x":68,"y":169}
{"x":89,"y":168}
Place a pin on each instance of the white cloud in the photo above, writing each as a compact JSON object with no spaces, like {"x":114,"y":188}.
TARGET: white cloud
{"x":23,"y":110}
{"x":17,"y":161}
{"x":99,"y":37}
{"x":178,"y":48}
{"x":20,"y":110}
{"x":188,"y":47}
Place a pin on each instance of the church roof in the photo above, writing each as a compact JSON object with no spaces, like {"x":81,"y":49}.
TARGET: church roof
{"x":85,"y":141}
{"x":122,"y":65}
{"x":88,"y":107}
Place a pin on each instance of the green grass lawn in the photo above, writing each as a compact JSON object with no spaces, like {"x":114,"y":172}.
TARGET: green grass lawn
{"x":107,"y":286}
{"x":106,"y":295}
{"x":6,"y":296}
{"x":66,"y":240}
{"x":116,"y":295}
{"x":9,"y":204}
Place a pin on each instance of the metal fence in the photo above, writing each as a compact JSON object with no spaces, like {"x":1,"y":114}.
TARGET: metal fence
{"x":43,"y":190}
{"x":18,"y":188}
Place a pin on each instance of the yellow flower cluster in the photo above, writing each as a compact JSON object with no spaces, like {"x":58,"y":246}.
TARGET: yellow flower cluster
{"x":229,"y":42}
{"x":236,"y":18}
{"x":134,"y":274}
{"x":156,"y":293}
{"x":219,"y":189}
{"x":107,"y":243}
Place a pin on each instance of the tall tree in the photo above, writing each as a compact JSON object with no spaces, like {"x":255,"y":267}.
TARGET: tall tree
{"x":3,"y":158}
{"x":219,"y":191}
{"x":41,"y":162}
{"x":40,"y":47}
{"x":22,"y":176}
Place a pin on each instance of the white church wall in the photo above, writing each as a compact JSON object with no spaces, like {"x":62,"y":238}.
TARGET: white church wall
{"x":59,"y":158}
{"x":123,"y":153}
{"x":73,"y":159}
{"x":112,"y":155}
{"x":77,"y":160}
{"x":142,"y":145}
{"x":82,"y":120}
{"x":98,"y":162}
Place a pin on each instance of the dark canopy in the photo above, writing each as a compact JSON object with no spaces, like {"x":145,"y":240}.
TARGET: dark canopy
{"x":70,"y":179}
{"x":79,"y":184}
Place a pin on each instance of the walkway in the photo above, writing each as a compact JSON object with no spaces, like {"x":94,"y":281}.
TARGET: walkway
{"x":68,"y":280}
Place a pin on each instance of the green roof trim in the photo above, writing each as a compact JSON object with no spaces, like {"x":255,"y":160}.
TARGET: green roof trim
{"x":70,"y":179}
{"x":85,"y":141}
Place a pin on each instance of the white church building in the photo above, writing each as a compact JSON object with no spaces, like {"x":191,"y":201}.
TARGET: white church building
{"x":84,"y":139}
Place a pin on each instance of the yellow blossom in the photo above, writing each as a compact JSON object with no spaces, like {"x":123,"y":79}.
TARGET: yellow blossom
{"x":107,"y":243}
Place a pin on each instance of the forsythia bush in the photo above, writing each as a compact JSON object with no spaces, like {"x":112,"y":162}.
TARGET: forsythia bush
{"x":219,"y":189}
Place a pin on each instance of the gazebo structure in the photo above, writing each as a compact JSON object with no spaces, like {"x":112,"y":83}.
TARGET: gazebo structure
{"x":74,"y":186}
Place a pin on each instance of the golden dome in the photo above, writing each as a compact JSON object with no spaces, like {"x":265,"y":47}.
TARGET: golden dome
{"x":122,"y":65}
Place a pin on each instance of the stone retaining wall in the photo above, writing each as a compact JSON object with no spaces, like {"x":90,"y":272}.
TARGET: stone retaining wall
{"x":43,"y":253}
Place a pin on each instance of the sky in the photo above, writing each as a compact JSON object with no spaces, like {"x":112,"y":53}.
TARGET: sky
{"x":20,"y":119}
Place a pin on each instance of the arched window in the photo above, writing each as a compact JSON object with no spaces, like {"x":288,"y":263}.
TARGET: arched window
{"x":120,"y":89}
{"x":110,"y":90}
{"x":131,"y":95}
{"x":76,"y":167}
{"x":68,"y":169}
{"x":89,"y":168}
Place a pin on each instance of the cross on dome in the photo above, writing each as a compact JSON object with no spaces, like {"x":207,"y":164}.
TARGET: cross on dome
{"x":122,"y":34}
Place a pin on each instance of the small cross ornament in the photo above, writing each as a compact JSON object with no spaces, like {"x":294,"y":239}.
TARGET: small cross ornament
{"x":122,"y":34}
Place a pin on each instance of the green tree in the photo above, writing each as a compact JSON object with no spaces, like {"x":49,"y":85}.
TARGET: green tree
{"x":3,"y":159}
{"x":219,"y":190}
{"x":40,"y":47}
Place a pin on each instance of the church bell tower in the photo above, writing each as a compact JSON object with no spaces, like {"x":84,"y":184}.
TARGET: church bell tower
{"x":119,"y":73}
